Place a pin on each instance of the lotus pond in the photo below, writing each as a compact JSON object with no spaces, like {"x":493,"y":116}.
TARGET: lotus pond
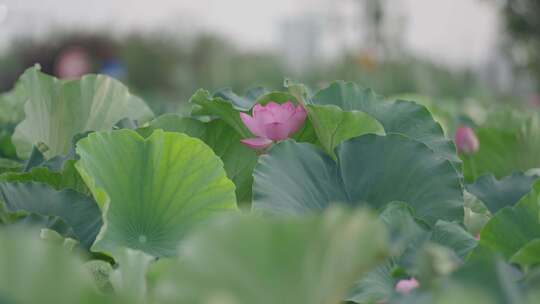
{"x":328,"y":196}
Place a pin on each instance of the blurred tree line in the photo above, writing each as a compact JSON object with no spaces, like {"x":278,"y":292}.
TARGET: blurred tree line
{"x":522,"y":19}
{"x":166,"y":70}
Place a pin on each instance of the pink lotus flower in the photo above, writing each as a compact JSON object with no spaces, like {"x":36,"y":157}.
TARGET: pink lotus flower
{"x":466,"y":140}
{"x":273,"y":122}
{"x":407,"y":286}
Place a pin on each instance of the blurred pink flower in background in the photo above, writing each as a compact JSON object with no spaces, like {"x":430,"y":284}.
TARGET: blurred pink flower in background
{"x":407,"y":286}
{"x":466,"y":140}
{"x":72,"y":63}
{"x":534,"y":100}
{"x":272,"y":122}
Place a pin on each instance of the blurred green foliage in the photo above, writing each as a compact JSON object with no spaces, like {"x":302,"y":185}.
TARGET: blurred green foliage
{"x":165,"y":70}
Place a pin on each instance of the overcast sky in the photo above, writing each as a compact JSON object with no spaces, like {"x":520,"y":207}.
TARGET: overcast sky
{"x":460,"y":32}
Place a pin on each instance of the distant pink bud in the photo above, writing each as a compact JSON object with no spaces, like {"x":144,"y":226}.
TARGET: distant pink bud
{"x":272,"y":122}
{"x":477,"y":237}
{"x":406,"y":286}
{"x":466,"y":140}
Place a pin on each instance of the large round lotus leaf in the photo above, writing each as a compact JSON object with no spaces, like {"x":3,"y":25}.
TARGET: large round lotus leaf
{"x":249,"y":259}
{"x":403,"y":117}
{"x":295,"y":178}
{"x":152,"y":190}
{"x":238,"y":159}
{"x":57,"y":110}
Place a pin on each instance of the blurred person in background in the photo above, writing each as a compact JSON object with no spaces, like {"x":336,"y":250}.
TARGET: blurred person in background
{"x":68,"y":57}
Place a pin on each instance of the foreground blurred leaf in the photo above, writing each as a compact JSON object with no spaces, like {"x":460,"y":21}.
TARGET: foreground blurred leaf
{"x":129,"y":279}
{"x":100,"y":272}
{"x":370,"y":170}
{"x":152,"y":190}
{"x":249,"y":260}
{"x":407,"y":238}
{"x":57,"y":110}
{"x":238,"y":160}
{"x":497,"y":194}
{"x":34,"y":271}
{"x":485,"y":281}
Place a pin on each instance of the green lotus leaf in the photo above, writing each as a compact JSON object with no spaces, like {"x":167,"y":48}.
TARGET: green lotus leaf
{"x":54,"y":237}
{"x":453,"y":236}
{"x":151,"y":191}
{"x":175,"y":123}
{"x":78,"y":211}
{"x":8,"y":165}
{"x":249,"y":259}
{"x":34,"y":271}
{"x":238,"y":160}
{"x":12,"y":106}
{"x":333,"y":125}
{"x":492,"y":276}
{"x":370,"y":170}
{"x":242,"y":102}
{"x":528,"y":255}
{"x":505,"y":150}
{"x":7,"y":149}
{"x":68,"y":177}
{"x":404,"y":228}
{"x":513,"y":227}
{"x":403,"y":117}
{"x":497,"y":194}
{"x":377,"y":285}
{"x":221,"y":108}
{"x":56,"y":110}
